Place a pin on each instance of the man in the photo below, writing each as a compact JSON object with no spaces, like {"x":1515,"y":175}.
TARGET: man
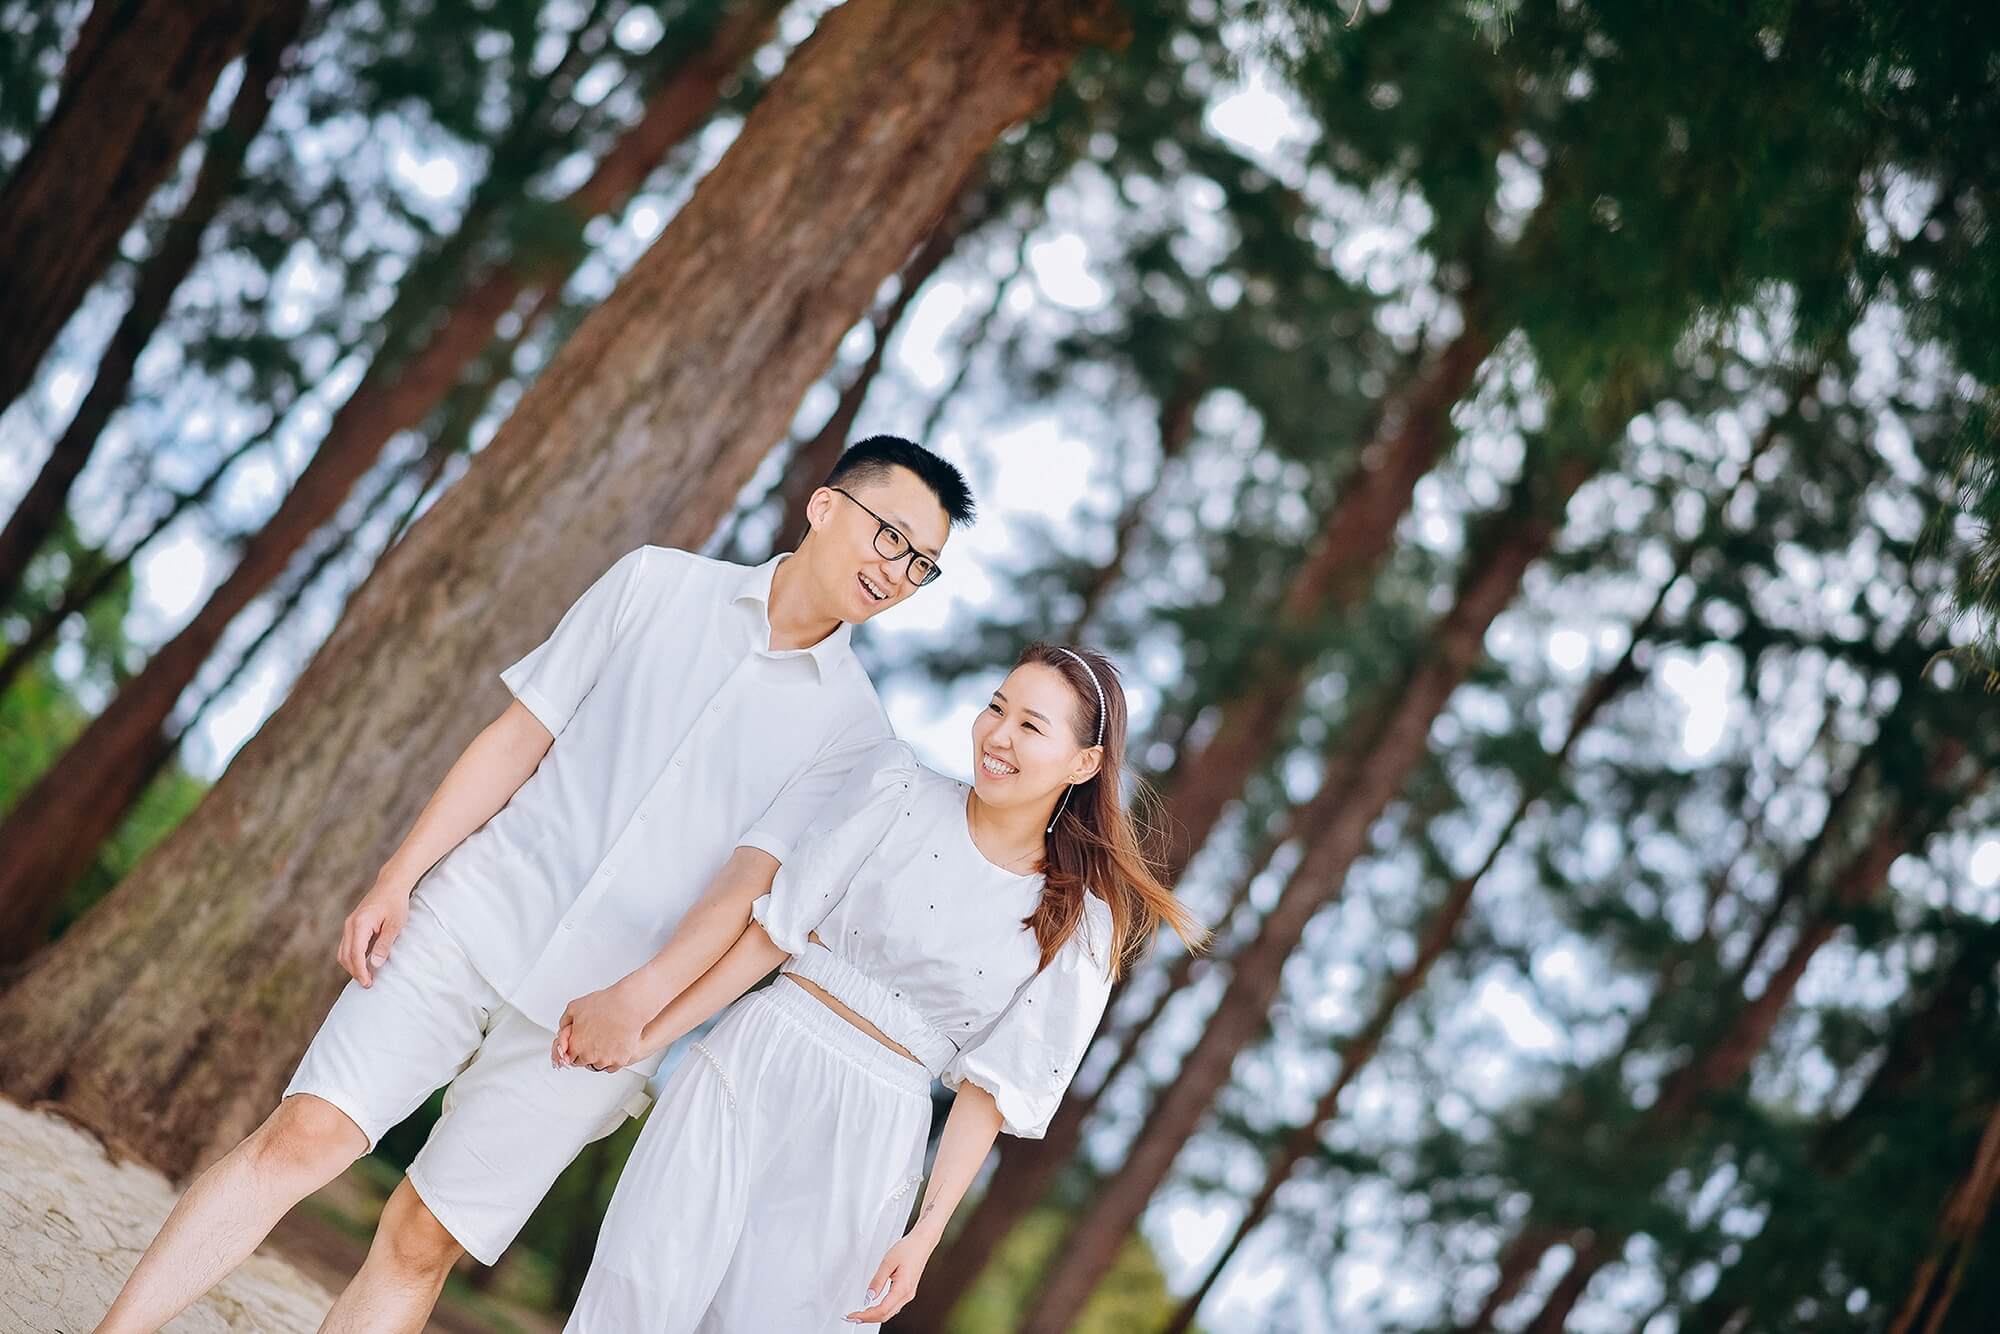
{"x":674,"y":734}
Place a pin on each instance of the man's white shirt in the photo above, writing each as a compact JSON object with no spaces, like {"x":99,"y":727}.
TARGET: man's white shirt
{"x":679,"y":736}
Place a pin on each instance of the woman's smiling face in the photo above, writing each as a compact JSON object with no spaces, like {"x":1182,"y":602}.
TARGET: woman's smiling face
{"x":1024,"y":746}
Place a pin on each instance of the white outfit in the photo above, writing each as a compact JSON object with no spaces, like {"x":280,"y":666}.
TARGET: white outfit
{"x":679,"y":736}
{"x":889,"y":906}
{"x":429,"y":1018}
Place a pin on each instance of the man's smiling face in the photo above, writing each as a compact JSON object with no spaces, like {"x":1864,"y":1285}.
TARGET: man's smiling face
{"x":857,"y":579}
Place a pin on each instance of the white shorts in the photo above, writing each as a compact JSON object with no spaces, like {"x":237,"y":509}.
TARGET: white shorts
{"x":782,"y":1162}
{"x":511,"y":1122}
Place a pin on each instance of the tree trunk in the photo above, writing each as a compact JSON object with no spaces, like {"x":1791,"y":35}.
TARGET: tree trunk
{"x":1177,"y":411}
{"x":170,"y":1017}
{"x":132,"y":98}
{"x":814,"y":459}
{"x":1443,"y":926}
{"x":57,"y":826}
{"x":1965,"y":1213}
{"x":41,"y":509}
{"x":1591,"y":1254}
{"x":1359,"y":784}
{"x":1726,"y":1058}
{"x":1837,"y":1145}
{"x":1414,"y":435}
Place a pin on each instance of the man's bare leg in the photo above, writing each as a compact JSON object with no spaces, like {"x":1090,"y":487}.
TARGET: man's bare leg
{"x":406,"y":1267}
{"x":231,"y":1207}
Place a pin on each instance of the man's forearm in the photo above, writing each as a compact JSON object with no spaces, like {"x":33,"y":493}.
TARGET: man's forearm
{"x":481,"y":781}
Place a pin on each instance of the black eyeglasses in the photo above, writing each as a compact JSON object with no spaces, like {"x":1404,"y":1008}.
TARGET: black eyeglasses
{"x":891,"y":545}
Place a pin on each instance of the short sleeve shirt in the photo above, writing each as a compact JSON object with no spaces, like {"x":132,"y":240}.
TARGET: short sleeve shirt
{"x":679,"y":736}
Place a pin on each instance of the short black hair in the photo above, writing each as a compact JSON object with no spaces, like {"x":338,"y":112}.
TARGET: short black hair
{"x":871,"y":459}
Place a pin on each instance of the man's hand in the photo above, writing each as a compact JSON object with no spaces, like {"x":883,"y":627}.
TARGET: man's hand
{"x":895,"y":1281}
{"x":602,"y":1030}
{"x":371,"y":929}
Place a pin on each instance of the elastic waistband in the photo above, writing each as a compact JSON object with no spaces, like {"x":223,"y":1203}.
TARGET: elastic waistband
{"x":795,"y":1005}
{"x":879,"y":1003}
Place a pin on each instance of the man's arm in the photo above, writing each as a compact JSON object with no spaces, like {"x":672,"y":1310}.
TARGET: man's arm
{"x":603,"y":1028}
{"x":741,"y":967}
{"x":481,"y":780}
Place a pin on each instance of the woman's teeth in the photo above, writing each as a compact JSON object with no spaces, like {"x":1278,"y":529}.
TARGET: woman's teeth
{"x":997,"y":768}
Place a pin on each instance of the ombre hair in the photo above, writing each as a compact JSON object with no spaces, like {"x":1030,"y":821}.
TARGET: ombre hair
{"x":1096,"y":845}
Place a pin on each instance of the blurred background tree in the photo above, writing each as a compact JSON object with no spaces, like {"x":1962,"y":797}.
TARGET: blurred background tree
{"x":1535,"y":463}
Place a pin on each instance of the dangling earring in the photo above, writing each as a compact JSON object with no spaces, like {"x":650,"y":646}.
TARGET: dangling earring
{"x":1059,"y":809}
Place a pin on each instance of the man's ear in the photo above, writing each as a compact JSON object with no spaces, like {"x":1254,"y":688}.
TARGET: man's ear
{"x":818,"y":506}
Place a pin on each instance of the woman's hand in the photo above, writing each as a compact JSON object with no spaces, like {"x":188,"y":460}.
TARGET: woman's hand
{"x":602,"y":1030}
{"x":895,"y":1280}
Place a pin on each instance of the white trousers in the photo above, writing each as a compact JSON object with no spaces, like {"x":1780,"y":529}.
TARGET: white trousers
{"x":781,"y":1162}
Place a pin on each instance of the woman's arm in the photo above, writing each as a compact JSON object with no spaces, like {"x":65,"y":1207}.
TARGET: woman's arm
{"x":969,"y":1133}
{"x":749,"y":959}
{"x":602,"y":1029}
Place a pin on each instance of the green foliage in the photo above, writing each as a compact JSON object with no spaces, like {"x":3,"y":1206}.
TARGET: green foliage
{"x":1133,"y":1295}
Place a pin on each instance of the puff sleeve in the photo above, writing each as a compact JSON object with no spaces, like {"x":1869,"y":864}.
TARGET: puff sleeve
{"x":553,"y":679}
{"x":835,"y":843}
{"x":1028,"y":1055}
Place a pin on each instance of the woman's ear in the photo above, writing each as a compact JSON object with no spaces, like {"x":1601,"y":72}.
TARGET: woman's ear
{"x":1087,"y":765}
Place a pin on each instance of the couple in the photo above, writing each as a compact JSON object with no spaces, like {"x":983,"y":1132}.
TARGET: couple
{"x":695,"y":783}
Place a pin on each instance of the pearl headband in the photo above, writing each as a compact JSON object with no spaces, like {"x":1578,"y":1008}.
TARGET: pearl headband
{"x":1101,"y":711}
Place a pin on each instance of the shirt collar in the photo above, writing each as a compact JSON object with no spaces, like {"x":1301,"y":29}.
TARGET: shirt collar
{"x":755,"y":587}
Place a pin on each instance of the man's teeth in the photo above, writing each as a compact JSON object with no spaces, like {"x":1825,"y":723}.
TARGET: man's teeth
{"x":873,"y":590}
{"x":997,"y":768}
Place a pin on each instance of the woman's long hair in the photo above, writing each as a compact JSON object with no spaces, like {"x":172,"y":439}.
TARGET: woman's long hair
{"x":1096,"y":845}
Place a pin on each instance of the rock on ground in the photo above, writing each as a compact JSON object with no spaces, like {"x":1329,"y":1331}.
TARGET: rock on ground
{"x":73,"y":1223}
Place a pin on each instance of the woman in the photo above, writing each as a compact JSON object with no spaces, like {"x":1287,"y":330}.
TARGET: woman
{"x":926,"y":929}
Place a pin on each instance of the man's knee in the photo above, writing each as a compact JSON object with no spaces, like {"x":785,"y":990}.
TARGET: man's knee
{"x":411,"y":1239}
{"x":309,"y":1135}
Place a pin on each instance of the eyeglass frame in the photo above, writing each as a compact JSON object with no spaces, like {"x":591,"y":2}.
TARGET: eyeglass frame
{"x":910,"y":554}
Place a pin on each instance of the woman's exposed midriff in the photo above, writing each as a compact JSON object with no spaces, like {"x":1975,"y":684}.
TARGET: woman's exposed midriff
{"x":820,"y":994}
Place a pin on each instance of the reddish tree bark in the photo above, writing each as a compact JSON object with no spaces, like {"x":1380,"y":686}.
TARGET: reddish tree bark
{"x":1176,"y":432}
{"x":1359,"y":785}
{"x":41,"y":509}
{"x":814,"y":459}
{"x":1965,"y":1213}
{"x":1414,"y":435}
{"x":133,"y":93}
{"x":1726,"y":1058}
{"x":59,"y":823}
{"x":1451,"y":912}
{"x":1836,"y":1146}
{"x":171,"y":1015}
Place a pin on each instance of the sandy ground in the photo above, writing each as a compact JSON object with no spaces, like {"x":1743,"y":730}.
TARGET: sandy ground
{"x":72,"y":1222}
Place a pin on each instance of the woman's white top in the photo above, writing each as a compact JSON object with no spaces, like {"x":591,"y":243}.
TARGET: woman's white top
{"x":921,"y":935}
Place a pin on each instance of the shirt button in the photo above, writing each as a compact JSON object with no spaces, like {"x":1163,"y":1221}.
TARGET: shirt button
{"x":642,"y":817}
{"x":569,"y":926}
